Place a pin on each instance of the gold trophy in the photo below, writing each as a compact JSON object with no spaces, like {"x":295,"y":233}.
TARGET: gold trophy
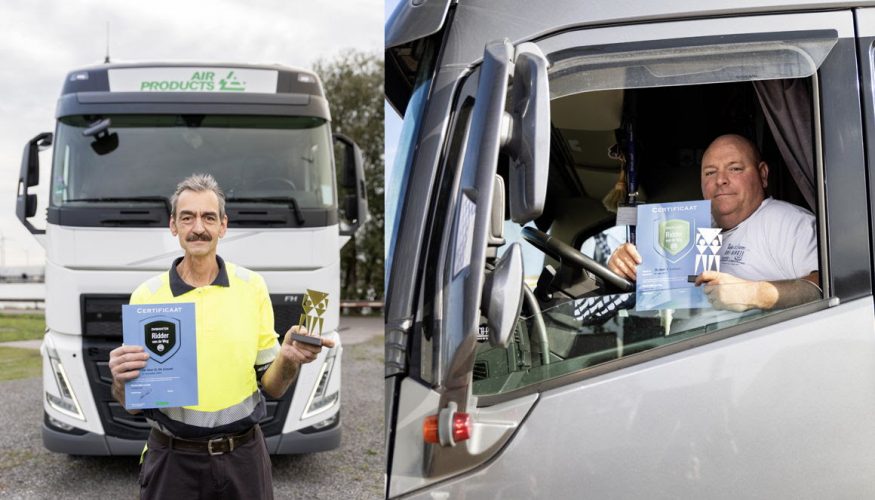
{"x":315,"y":304}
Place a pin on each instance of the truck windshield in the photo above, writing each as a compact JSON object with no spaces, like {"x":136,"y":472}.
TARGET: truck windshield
{"x":252,"y":158}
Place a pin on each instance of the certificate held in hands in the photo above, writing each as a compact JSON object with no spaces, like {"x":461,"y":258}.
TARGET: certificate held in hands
{"x":671,"y":241}
{"x":167,"y":332}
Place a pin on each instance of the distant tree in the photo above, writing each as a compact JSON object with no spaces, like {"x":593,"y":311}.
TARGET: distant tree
{"x":353,"y":84}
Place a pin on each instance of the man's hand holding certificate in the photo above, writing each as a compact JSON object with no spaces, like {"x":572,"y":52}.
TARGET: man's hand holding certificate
{"x":675,"y":241}
{"x":725,"y":291}
{"x":159,"y":366}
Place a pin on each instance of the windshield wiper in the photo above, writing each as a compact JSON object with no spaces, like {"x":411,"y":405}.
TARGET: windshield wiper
{"x":281,"y":200}
{"x":116,"y":199}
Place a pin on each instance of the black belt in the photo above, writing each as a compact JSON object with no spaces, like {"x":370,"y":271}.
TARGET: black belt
{"x":218,"y":446}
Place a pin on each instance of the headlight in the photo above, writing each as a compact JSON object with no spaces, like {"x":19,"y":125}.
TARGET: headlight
{"x":319,"y":399}
{"x":66,"y":403}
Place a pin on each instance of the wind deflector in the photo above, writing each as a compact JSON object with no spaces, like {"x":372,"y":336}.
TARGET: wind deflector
{"x":415,"y":19}
{"x":689,"y":61}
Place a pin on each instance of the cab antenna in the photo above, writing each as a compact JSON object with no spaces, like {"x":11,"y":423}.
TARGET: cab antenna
{"x":106,"y":61}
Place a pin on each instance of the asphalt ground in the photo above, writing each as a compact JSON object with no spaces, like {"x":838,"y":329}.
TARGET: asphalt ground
{"x":355,"y":470}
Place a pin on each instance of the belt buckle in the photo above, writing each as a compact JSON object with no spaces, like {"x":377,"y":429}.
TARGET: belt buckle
{"x":219,"y":440}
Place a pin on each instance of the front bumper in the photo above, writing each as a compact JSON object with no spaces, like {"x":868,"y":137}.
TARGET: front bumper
{"x":80,"y":442}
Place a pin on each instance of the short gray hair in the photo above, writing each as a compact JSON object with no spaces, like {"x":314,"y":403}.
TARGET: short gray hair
{"x":198,"y":183}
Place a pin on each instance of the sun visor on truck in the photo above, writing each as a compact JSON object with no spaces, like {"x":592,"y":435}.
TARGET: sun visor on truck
{"x":195,"y":89}
{"x":690,"y":61}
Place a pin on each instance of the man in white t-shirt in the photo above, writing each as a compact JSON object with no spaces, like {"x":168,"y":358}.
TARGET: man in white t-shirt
{"x":769,"y":256}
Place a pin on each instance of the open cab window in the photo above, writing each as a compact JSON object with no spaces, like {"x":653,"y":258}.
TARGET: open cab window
{"x":628,"y":119}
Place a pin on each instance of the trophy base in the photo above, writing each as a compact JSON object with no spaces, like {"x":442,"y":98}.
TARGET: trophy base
{"x":307,"y":339}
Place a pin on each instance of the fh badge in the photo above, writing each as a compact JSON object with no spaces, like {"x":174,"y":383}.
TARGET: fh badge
{"x":315,"y":304}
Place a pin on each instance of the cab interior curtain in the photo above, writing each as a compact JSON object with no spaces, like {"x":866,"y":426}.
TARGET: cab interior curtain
{"x":786,"y":105}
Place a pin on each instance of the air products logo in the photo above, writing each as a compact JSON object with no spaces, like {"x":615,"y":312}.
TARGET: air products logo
{"x":231,"y":84}
{"x":201,"y":79}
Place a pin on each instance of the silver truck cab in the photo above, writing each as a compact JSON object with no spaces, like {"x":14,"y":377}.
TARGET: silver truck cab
{"x":499,"y":380}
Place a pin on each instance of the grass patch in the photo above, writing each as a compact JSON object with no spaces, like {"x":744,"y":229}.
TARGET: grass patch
{"x":13,"y":458}
{"x":18,"y":363}
{"x":22,"y":327}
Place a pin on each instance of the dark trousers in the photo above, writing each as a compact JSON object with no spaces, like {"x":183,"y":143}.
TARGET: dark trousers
{"x":173,"y":473}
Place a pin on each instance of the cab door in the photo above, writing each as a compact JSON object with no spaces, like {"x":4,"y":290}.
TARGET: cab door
{"x":767,"y":404}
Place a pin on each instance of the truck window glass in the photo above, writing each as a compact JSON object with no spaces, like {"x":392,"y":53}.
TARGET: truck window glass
{"x":250,"y":156}
{"x":673,"y":126}
{"x":397,"y":177}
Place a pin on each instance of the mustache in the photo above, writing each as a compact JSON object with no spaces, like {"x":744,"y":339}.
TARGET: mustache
{"x":199,"y":237}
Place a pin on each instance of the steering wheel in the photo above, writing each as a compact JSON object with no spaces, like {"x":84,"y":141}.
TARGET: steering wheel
{"x":568,"y":255}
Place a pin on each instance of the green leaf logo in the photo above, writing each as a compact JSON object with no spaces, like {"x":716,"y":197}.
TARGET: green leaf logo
{"x":231,"y":84}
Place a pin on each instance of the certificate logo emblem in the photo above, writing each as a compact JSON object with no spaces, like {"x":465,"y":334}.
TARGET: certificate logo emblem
{"x":674,"y":238}
{"x":708,"y":244}
{"x":161,"y":337}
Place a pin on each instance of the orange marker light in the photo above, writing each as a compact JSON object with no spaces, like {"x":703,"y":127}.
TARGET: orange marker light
{"x":430,"y":430}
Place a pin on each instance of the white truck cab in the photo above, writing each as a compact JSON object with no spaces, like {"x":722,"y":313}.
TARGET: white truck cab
{"x":126,"y":134}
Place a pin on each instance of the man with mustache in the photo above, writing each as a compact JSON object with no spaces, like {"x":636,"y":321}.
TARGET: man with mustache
{"x":769,"y":246}
{"x":214,"y":449}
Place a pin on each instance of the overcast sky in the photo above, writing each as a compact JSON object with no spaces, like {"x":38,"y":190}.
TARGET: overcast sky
{"x":41,"y":40}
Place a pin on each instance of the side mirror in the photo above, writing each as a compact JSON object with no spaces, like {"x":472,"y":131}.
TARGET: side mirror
{"x":516,"y":122}
{"x":25,"y":204}
{"x":30,"y":205}
{"x":351,"y":189}
{"x":503,"y":296}
{"x":528,"y":139}
{"x":30,"y":158}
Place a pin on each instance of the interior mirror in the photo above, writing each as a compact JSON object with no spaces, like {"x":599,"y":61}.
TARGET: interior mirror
{"x":105,"y":142}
